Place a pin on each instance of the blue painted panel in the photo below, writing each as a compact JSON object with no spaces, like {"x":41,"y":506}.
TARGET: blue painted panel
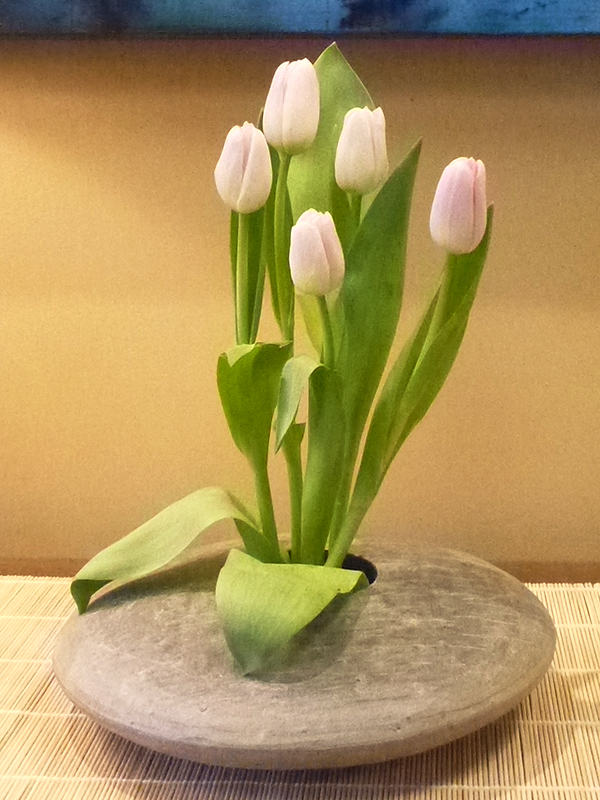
{"x":180,"y":17}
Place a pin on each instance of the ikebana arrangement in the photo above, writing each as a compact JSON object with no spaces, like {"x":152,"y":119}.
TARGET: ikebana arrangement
{"x":315,"y":210}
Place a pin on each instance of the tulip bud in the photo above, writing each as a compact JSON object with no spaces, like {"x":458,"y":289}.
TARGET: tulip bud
{"x":243,"y":173}
{"x":316,"y":256}
{"x":361,"y":162}
{"x":459,"y":209}
{"x":291,"y":114}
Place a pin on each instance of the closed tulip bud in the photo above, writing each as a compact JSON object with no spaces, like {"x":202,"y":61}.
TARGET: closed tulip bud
{"x":316,"y":256}
{"x":291,"y":114}
{"x":243,"y":173}
{"x":459,"y":209}
{"x":361,"y":162}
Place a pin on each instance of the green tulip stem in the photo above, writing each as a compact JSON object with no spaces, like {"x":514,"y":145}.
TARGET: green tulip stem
{"x":340,"y":547}
{"x":328,"y":348}
{"x":444,"y":306}
{"x":242,"y":303}
{"x":285,"y":289}
{"x":343,"y":496}
{"x":355,"y":208}
{"x":293,"y":458}
{"x":265,"y":502}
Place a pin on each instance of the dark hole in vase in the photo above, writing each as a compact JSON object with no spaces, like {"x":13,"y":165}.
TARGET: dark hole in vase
{"x":364,"y":565}
{"x":357,"y":562}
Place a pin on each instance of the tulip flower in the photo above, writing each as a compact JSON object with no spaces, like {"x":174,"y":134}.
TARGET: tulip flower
{"x":316,"y":256}
{"x":291,"y":114}
{"x":243,"y":173}
{"x":361,"y":162}
{"x":459,"y":210}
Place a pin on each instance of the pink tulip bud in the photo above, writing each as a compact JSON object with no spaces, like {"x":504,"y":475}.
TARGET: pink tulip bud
{"x":243,"y":173}
{"x":291,"y":114}
{"x":361,"y":162}
{"x":459,"y":209}
{"x":316,"y":256}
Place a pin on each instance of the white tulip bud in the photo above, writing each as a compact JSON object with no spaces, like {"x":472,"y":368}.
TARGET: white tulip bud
{"x":459,"y":209}
{"x":243,"y":173}
{"x":316,"y":256}
{"x":361,"y":162}
{"x":291,"y":115}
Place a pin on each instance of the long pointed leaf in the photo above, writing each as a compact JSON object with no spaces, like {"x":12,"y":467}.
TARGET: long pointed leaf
{"x":263,"y":606}
{"x":418,"y":375}
{"x":380,"y":434}
{"x":311,"y":180}
{"x":371,"y":294}
{"x":157,"y":542}
{"x":440,"y":352}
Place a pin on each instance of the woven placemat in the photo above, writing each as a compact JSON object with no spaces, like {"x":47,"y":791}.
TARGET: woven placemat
{"x":548,"y":747}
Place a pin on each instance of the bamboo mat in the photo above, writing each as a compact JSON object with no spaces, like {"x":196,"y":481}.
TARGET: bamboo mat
{"x":548,"y":748}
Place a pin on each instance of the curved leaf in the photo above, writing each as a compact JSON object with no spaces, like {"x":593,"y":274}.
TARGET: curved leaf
{"x":248,"y":379}
{"x":263,"y":606}
{"x":157,"y":542}
{"x":294,"y":379}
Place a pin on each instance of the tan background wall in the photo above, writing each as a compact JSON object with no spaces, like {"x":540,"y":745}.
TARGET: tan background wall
{"x":114,"y":286}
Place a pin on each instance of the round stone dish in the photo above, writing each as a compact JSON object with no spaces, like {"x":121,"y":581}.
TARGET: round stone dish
{"x":439,"y":645}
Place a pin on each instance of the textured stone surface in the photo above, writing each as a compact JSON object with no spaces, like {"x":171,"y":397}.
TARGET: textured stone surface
{"x":441,"y":644}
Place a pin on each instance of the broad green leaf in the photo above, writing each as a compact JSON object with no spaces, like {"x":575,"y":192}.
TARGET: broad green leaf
{"x":263,"y":606}
{"x":371,"y":294}
{"x":312,"y":179}
{"x":294,"y":379}
{"x":157,"y":542}
{"x":419,"y":373}
{"x":248,"y":380}
{"x":325,"y":451}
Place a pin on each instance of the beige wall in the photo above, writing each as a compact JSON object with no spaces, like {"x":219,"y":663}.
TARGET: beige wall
{"x":114,"y":288}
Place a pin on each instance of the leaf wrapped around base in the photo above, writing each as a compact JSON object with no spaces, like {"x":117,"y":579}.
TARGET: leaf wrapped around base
{"x":263,"y":606}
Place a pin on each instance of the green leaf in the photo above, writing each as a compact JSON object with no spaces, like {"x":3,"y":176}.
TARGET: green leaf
{"x":248,"y":378}
{"x":371,"y":294}
{"x":157,"y":542}
{"x":380,"y":434}
{"x":326,"y":430}
{"x":419,"y":372}
{"x":263,"y":606}
{"x":294,"y":379}
{"x":311,"y":180}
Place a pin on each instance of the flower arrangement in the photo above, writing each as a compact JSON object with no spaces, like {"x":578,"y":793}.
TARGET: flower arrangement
{"x":315,"y":209}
